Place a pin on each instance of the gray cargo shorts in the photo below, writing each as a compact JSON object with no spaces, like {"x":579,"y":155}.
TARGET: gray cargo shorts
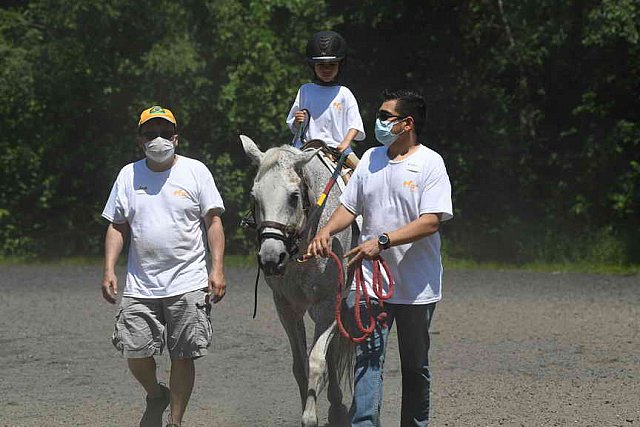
{"x":144,"y":326}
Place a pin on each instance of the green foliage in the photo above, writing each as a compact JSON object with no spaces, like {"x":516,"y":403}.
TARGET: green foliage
{"x":533,"y":104}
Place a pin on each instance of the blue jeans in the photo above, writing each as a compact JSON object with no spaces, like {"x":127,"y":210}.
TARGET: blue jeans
{"x":412,"y":326}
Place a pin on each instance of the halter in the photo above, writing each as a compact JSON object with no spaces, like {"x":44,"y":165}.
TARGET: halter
{"x":290,"y":235}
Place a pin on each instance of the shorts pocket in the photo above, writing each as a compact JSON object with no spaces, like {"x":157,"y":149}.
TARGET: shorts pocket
{"x":205,"y":331}
{"x":116,"y":338}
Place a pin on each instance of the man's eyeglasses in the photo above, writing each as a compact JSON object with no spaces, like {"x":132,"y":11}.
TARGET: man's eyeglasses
{"x":385,"y":115}
{"x":153,"y":135}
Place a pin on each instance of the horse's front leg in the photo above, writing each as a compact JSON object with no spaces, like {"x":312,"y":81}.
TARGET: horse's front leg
{"x":292,"y":320}
{"x":323,"y":365}
{"x":317,"y":373}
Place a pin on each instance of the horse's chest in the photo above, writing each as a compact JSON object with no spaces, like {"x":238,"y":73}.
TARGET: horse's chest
{"x":300,"y":286}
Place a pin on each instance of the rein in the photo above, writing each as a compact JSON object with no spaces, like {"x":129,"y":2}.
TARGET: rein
{"x":377,"y":285}
{"x":302,"y":129}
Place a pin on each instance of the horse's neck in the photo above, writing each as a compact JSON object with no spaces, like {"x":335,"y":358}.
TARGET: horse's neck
{"x":316,"y":175}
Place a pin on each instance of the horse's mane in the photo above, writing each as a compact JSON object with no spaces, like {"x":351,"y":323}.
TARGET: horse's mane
{"x":274,"y":156}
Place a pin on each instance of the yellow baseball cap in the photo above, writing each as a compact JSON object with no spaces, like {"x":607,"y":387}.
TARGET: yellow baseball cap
{"x":156,"y":112}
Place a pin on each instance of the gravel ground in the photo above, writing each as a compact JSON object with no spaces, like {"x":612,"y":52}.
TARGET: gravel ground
{"x":509,"y":348}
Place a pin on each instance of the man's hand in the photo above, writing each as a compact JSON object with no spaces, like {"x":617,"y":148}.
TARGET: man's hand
{"x":110,"y":287}
{"x":299,"y":117}
{"x":217,"y":286}
{"x":319,"y":246}
{"x":366,"y":250}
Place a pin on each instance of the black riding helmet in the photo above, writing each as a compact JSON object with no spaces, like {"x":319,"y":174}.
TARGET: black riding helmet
{"x":326,"y":46}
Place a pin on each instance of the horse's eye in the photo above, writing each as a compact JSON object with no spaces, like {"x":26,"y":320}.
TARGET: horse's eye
{"x":293,"y":199}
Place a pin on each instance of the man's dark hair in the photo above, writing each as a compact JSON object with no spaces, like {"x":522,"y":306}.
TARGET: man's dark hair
{"x":409,"y":103}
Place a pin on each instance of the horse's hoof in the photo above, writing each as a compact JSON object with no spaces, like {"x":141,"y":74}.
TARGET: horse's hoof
{"x":309,"y":421}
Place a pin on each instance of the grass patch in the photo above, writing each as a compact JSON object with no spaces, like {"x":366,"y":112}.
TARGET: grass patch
{"x":579,"y":267}
{"x":72,"y":261}
{"x":234,"y":261}
{"x":450,"y":263}
{"x":240,"y":261}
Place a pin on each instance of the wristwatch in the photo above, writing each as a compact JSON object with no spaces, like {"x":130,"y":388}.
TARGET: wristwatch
{"x":383,"y":241}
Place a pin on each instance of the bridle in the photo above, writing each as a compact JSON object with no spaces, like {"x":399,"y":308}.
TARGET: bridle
{"x":290,"y":235}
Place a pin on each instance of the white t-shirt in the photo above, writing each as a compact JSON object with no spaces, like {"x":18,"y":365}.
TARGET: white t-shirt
{"x":167,"y":253}
{"x":389,"y":195}
{"x":333,"y":111}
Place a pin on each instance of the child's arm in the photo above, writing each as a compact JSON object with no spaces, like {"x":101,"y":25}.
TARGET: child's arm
{"x":292,"y":118}
{"x":346,"y":142}
{"x":298,"y":118}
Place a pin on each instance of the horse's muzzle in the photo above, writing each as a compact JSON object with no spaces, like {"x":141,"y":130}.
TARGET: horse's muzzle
{"x":272,"y":267}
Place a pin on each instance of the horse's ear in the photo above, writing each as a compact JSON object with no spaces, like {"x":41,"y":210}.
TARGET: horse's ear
{"x":304,"y":157}
{"x":251,"y":149}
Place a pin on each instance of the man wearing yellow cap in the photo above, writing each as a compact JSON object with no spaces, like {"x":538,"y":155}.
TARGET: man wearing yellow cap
{"x":169,"y":207}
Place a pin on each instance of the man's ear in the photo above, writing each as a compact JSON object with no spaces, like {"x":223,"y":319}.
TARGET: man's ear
{"x":410,"y":124}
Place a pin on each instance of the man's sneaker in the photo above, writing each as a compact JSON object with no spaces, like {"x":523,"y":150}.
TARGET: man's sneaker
{"x":152,"y":416}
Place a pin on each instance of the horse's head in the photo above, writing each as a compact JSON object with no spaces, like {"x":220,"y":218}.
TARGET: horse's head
{"x":280,"y":202}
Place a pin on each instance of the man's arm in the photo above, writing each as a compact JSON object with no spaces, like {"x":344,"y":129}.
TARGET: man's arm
{"x":424,"y":226}
{"x":113,"y":244}
{"x":215,"y":238}
{"x":340,"y":219}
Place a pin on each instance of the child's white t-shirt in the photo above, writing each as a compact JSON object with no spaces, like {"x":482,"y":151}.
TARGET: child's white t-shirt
{"x":389,"y":195}
{"x":167,"y":254}
{"x":333,"y":111}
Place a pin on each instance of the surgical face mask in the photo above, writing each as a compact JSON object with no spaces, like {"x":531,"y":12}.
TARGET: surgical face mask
{"x":159,"y":149}
{"x":384,"y":134}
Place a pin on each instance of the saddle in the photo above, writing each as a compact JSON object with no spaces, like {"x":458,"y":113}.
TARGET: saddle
{"x":331,"y":155}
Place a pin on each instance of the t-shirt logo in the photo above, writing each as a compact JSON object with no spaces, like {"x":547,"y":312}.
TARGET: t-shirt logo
{"x":337,"y":105}
{"x":410,"y":185}
{"x":180,"y":193}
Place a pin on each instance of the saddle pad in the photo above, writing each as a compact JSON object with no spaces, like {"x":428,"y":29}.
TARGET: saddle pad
{"x":331,"y":166}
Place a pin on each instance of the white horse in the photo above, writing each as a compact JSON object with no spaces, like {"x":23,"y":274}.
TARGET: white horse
{"x":284,"y":191}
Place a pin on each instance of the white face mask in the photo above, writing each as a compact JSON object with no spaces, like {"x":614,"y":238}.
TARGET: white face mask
{"x":159,"y":149}
{"x":383,"y":132}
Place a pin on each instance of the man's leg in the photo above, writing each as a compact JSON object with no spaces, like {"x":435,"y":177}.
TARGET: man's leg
{"x":189,"y":335}
{"x":413,"y":323}
{"x":144,"y":370}
{"x":367,"y":388}
{"x":181,"y":385}
{"x":138,"y":334}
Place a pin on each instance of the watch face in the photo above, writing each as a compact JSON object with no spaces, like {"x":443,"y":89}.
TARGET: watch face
{"x":383,"y":240}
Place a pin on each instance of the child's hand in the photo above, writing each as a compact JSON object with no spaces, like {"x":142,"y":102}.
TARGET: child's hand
{"x":299,"y":117}
{"x":344,"y":145}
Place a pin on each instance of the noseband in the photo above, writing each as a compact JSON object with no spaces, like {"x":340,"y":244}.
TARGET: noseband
{"x":289,"y":235}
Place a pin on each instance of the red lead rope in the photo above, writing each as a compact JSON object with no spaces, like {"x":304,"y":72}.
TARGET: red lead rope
{"x":378,"y":290}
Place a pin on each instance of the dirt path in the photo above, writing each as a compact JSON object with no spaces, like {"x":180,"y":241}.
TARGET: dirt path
{"x":509,"y":348}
